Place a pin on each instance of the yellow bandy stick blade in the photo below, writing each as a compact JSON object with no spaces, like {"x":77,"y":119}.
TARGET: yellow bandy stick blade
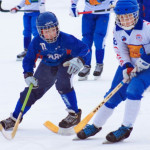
{"x":51,"y":126}
{"x":1,"y":127}
{"x":58,"y":130}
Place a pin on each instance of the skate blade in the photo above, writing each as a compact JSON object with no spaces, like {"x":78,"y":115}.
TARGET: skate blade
{"x":66,"y":131}
{"x":82,"y":78}
{"x":4,"y":133}
{"x":96,"y":77}
{"x":19,"y":59}
{"x":106,"y":142}
{"x":76,"y":139}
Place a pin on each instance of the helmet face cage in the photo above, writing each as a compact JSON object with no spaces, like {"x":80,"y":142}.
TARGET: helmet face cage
{"x":43,"y":30}
{"x":127,"y":21}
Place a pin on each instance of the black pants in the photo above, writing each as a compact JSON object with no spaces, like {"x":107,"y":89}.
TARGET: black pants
{"x":48,"y":76}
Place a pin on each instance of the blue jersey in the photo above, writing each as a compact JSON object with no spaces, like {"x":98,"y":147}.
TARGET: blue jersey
{"x":65,"y":48}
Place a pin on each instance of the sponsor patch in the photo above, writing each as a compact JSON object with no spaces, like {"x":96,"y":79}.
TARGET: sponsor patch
{"x":123,"y":38}
{"x":139,"y":37}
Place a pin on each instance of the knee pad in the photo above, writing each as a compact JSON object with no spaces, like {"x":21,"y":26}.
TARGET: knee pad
{"x":114,"y":100}
{"x":62,"y":88}
{"x":135,"y":89}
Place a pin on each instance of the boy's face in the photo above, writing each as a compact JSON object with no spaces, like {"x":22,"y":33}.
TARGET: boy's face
{"x":49,"y":33}
{"x":126,"y":20}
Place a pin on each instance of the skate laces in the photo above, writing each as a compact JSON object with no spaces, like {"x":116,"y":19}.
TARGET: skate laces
{"x":90,"y":130}
{"x":99,"y":67}
{"x":86,"y":69}
{"x":70,"y":117}
{"x":121,"y":131}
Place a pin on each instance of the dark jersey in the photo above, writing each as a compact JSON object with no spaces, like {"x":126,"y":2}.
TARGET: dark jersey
{"x":66,"y":47}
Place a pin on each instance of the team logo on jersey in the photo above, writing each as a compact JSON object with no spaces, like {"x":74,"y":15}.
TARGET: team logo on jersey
{"x":114,"y":41}
{"x":123,"y":38}
{"x":139,"y":37}
{"x":54,"y":56}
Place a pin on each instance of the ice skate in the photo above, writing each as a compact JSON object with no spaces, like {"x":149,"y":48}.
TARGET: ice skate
{"x":8,"y":123}
{"x":98,"y":70}
{"x":89,"y":130}
{"x":122,"y":133}
{"x":83,"y":74}
{"x":21,"y":55}
{"x":71,"y":120}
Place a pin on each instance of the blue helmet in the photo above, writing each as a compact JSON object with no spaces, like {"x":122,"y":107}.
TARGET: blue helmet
{"x":126,"y":7}
{"x":127,"y":13}
{"x":47,"y":20}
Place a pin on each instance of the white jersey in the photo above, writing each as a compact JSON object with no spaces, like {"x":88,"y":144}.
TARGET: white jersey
{"x":99,"y":6}
{"x":31,"y":4}
{"x":127,"y":46}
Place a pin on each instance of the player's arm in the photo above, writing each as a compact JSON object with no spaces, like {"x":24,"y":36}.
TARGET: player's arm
{"x":79,"y":53}
{"x":16,"y":8}
{"x":120,"y":49}
{"x":29,"y":59}
{"x":123,"y":57}
{"x":42,"y":6}
{"x":28,"y":65}
{"x":143,"y":62}
{"x":112,"y":3}
{"x":79,"y":49}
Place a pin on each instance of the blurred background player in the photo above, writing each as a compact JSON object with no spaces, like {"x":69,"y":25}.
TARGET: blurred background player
{"x":94,"y":29}
{"x":132,"y":46}
{"x":144,"y":13}
{"x":29,"y":21}
{"x":144,"y":9}
{"x":57,"y":48}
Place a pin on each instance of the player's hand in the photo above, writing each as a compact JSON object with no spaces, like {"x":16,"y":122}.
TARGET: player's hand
{"x":128,"y":72}
{"x":111,"y":4}
{"x":143,"y":62}
{"x":73,"y":11}
{"x":74,"y":64}
{"x":30,"y":79}
{"x":42,"y":7}
{"x":15,"y":9}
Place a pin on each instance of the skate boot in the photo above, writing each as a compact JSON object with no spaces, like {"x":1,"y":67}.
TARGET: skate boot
{"x":8,"y":123}
{"x":89,"y":130}
{"x":71,"y":120}
{"x":83,"y":74}
{"x":21,"y":55}
{"x":122,"y":133}
{"x":98,"y":70}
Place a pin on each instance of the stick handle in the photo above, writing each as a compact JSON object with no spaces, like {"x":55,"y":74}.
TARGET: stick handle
{"x":27,"y":97}
{"x":4,"y":10}
{"x":16,"y":125}
{"x":96,"y":11}
{"x":21,"y":112}
{"x":85,"y":12}
{"x":83,"y":123}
